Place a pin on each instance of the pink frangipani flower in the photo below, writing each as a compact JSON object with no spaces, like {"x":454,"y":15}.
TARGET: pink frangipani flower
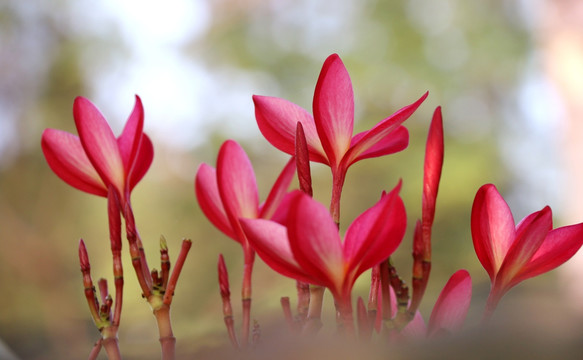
{"x":309,"y":249}
{"x":511,"y":254}
{"x":96,"y":160}
{"x":329,"y":133}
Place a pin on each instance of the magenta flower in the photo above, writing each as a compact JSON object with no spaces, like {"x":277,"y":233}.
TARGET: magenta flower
{"x":96,"y":160}
{"x":329,"y":133}
{"x":309,"y":248}
{"x":511,"y":254}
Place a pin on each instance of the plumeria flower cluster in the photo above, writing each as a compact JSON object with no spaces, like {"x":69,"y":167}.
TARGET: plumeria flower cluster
{"x":294,"y":234}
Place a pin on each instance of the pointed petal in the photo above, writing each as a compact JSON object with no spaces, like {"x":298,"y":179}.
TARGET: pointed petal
{"x":270,"y":241}
{"x":396,"y":141}
{"x":66,"y":157}
{"x":334,"y":109}
{"x":452,"y":305}
{"x":366,"y":145}
{"x":143,"y":160}
{"x":315,"y":242}
{"x":99,"y":143}
{"x":492,"y":228}
{"x":277,"y":120}
{"x":209,"y":200}
{"x":278,"y":190}
{"x":375,"y":234}
{"x":528,"y":240}
{"x":236,"y":181}
{"x":432,"y":168}
{"x":131,"y":136}
{"x":559,"y":246}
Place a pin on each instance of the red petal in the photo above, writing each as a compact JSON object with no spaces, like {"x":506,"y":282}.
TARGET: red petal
{"x":269,"y":239}
{"x":366,"y":145}
{"x":396,"y":141}
{"x":492,"y":228}
{"x":452,"y":305}
{"x":130,"y":138}
{"x":209,"y":200}
{"x":315,"y":242}
{"x":375,"y":234}
{"x":334,"y":109}
{"x":236,"y":181}
{"x":67,"y":158}
{"x":278,"y":190}
{"x":142,"y":162}
{"x":99,"y":143}
{"x":558,"y":247}
{"x":277,"y":120}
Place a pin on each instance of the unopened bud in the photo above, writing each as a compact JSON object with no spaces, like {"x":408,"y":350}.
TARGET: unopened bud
{"x":223,"y":277}
{"x":83,"y":257}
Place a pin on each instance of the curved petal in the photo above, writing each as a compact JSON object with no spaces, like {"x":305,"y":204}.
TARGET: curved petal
{"x":278,"y":190}
{"x":99,"y":143}
{"x":236,"y":181}
{"x":396,"y":141}
{"x":270,"y":241}
{"x":209,"y":200}
{"x":492,"y":228}
{"x":380,"y":131}
{"x":66,"y":157}
{"x":375,"y":234}
{"x":526,"y":244}
{"x":452,"y":305}
{"x":315,"y":242}
{"x":558,"y":247}
{"x":143,"y":160}
{"x":334,"y":109}
{"x":131,"y":136}
{"x":277,"y":120}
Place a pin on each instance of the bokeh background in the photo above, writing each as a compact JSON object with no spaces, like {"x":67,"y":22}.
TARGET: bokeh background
{"x":508,"y":75}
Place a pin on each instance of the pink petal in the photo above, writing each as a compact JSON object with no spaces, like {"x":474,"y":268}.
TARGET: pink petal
{"x":315,"y":242}
{"x":270,"y":241}
{"x":236,"y":181}
{"x":452,"y":305}
{"x":558,"y":247}
{"x":334,"y":109}
{"x":277,"y":120}
{"x":131,"y":136}
{"x":396,"y":141}
{"x":142,"y":162}
{"x":368,"y":142}
{"x":209,"y":200}
{"x":492,"y":228}
{"x":432,"y":168}
{"x":67,"y":158}
{"x":99,"y":143}
{"x":278,"y":190}
{"x":375,"y":234}
{"x":526,"y":244}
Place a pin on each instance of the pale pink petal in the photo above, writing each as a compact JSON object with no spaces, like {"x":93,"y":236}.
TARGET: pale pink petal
{"x":209,"y":200}
{"x":99,"y":143}
{"x":66,"y":157}
{"x":379,"y":132}
{"x":130,"y":138}
{"x":277,"y":120}
{"x":144,"y":158}
{"x":236,"y":181}
{"x":315,"y":242}
{"x":334,"y":109}
{"x":269,"y":239}
{"x":278,"y":190}
{"x":559,"y":246}
{"x":452,"y":305}
{"x":493,"y":228}
{"x":527,"y":242}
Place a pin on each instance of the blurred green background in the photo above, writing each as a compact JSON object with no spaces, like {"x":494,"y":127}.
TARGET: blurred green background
{"x":196,"y":64}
